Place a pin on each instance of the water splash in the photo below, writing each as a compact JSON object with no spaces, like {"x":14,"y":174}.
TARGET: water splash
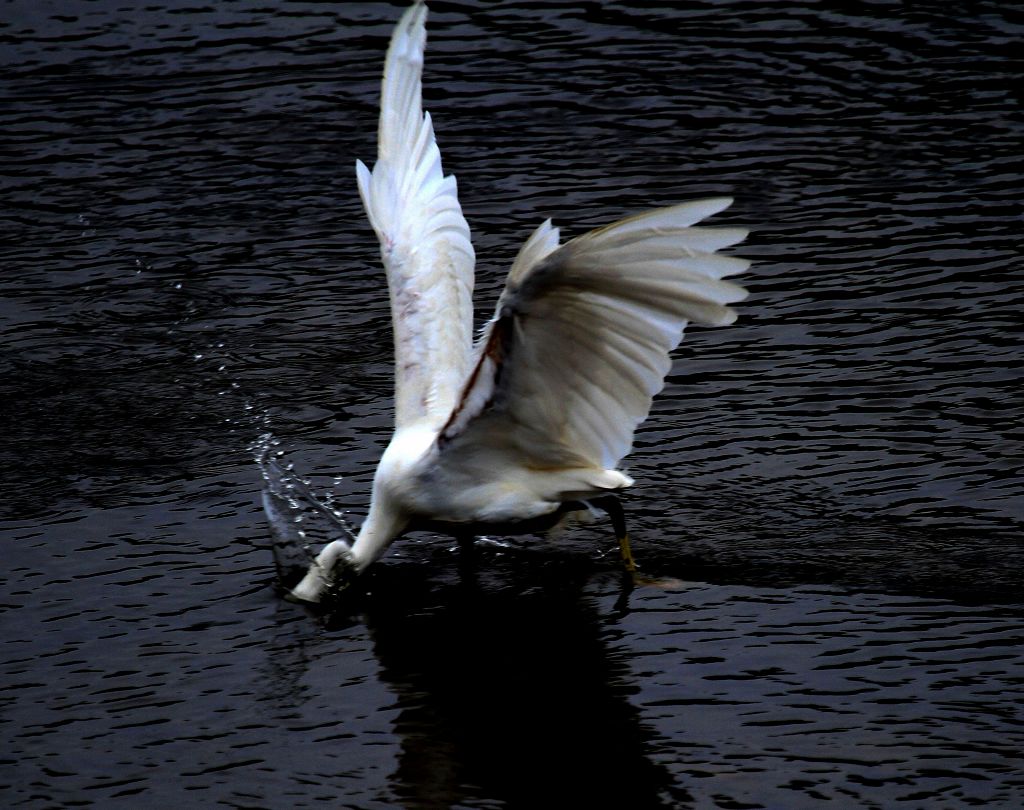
{"x":300,"y":520}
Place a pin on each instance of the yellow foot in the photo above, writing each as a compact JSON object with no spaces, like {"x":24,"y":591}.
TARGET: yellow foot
{"x":628,"y":563}
{"x":664,"y":583}
{"x":638,"y":579}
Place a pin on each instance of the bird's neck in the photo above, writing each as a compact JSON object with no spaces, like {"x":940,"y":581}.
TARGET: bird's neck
{"x":380,"y":529}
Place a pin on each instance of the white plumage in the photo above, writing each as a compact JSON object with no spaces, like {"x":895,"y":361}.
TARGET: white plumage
{"x":542,"y":409}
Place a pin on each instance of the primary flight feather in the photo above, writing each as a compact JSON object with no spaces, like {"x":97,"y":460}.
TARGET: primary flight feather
{"x":533,"y":419}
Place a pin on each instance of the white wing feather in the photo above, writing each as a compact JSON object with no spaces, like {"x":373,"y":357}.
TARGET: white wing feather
{"x":424,"y":239}
{"x":581,"y":339}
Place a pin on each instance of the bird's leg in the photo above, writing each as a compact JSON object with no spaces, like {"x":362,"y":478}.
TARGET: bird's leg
{"x":631,"y":577}
{"x":467,"y":549}
{"x":467,"y":565}
{"x":613,"y":508}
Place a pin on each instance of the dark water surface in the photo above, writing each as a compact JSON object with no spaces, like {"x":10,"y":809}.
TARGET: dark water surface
{"x":837,"y":478}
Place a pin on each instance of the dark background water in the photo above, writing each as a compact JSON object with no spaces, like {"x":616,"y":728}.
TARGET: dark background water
{"x":836,"y":478}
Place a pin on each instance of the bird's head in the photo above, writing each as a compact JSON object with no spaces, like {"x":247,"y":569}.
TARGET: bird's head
{"x":330,"y":574}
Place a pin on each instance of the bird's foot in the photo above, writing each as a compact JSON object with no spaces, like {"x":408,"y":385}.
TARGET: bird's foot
{"x":638,"y":578}
{"x":663,"y":583}
{"x":626,"y":554}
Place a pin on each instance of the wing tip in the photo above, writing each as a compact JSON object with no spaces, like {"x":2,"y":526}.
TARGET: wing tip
{"x":707,"y":207}
{"x":412,"y":20}
{"x":737,"y":234}
{"x":718,"y":204}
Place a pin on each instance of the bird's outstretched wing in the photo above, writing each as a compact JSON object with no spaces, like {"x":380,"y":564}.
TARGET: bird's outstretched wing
{"x":424,"y":239}
{"x":580,"y":342}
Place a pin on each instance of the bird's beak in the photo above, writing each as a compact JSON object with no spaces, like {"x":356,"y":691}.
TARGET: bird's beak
{"x":330,"y":574}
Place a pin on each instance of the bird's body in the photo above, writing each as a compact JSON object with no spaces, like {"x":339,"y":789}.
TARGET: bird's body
{"x":534,"y":418}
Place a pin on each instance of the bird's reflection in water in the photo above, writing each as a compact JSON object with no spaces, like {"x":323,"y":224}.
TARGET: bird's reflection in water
{"x":509,"y":692}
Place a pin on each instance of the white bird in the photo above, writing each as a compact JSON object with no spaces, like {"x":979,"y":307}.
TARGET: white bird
{"x":507,"y":434}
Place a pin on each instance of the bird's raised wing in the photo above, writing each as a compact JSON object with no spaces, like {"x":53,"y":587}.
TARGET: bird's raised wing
{"x":424,"y":239}
{"x":580,"y":342}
